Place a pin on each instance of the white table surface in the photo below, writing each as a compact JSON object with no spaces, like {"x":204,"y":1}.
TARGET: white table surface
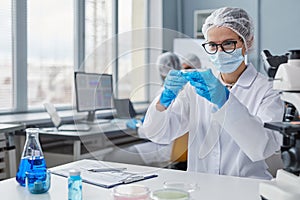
{"x":115,"y":131}
{"x":11,"y":127}
{"x":211,"y":187}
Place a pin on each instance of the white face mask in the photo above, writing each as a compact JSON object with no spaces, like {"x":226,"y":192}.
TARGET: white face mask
{"x":225,"y":62}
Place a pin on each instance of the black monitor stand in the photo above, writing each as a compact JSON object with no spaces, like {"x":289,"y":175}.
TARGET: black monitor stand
{"x":92,"y":119}
{"x":91,"y":116}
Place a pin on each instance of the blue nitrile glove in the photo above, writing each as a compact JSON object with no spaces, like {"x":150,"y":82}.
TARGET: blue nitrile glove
{"x":133,"y":123}
{"x":142,"y":119}
{"x":208,"y":86}
{"x":174,"y":82}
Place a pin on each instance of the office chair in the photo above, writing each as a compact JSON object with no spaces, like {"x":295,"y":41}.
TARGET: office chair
{"x":179,"y":153}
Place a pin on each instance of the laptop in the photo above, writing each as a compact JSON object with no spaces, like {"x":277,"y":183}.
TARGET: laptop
{"x":125,"y":110}
{"x":55,"y":118}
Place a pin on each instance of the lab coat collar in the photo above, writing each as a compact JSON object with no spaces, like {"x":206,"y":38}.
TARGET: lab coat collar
{"x":247,"y":77}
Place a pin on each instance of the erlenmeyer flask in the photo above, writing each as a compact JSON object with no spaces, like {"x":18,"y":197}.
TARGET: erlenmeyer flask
{"x":32,"y":156}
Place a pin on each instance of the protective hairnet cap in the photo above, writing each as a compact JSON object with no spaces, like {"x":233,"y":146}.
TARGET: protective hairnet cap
{"x":192,"y":60}
{"x":166,"y":62}
{"x":236,"y":19}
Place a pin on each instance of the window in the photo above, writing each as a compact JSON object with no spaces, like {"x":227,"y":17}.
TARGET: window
{"x":6,"y":59}
{"x":99,"y":44}
{"x":39,"y":65}
{"x":131,"y":49}
{"x":50,"y":52}
{"x":98,"y":36}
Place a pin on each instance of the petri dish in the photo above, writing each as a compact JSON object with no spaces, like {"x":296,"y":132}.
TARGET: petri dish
{"x":170,"y":194}
{"x":131,"y":192}
{"x":189,"y":187}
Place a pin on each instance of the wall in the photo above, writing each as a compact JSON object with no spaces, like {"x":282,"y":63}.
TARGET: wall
{"x":280,"y":25}
{"x":171,"y":21}
{"x":190,"y":5}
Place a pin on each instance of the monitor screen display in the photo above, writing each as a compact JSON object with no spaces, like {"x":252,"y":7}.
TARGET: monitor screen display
{"x":93,"y":91}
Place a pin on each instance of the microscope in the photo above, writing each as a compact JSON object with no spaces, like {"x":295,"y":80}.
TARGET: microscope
{"x":284,"y":70}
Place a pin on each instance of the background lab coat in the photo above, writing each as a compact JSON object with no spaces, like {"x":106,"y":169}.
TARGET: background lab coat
{"x":243,"y":142}
{"x":153,"y":152}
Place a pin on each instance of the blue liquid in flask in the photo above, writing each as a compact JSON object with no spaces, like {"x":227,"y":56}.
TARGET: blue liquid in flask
{"x":32,"y":157}
{"x":29,"y":163}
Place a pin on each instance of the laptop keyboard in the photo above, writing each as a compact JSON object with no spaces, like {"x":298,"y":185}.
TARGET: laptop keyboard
{"x":74,"y":127}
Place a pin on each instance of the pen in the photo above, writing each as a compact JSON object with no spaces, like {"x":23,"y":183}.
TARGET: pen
{"x":133,"y":179}
{"x":107,"y":170}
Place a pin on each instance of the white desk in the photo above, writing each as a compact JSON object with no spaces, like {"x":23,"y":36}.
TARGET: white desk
{"x":37,"y":118}
{"x":7,"y":145}
{"x":212,"y":187}
{"x":109,"y":135}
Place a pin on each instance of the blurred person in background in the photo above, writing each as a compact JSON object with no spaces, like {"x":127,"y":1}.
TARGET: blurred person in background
{"x":150,"y":153}
{"x":191,"y":61}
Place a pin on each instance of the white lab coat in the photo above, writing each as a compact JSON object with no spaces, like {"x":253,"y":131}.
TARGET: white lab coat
{"x":236,"y":143}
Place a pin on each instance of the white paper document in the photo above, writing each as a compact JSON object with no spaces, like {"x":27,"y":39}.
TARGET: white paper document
{"x":97,"y":173}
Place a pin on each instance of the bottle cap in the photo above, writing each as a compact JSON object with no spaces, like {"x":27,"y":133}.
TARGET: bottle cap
{"x":74,"y":172}
{"x":32,"y":130}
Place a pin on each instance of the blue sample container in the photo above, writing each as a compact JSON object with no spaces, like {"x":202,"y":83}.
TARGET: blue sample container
{"x":38,"y":180}
{"x":74,"y":185}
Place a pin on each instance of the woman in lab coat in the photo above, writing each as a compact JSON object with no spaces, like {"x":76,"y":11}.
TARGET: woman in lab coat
{"x":224,"y":114}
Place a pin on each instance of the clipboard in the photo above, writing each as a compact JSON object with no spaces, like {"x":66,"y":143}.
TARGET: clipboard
{"x":105,"y":179}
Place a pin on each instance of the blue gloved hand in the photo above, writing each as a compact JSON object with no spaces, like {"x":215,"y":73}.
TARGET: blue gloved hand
{"x":208,"y":86}
{"x":174,"y":82}
{"x":142,"y":119}
{"x":133,"y":123}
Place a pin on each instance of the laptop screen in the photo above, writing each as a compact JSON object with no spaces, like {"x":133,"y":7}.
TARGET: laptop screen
{"x":124,"y":108}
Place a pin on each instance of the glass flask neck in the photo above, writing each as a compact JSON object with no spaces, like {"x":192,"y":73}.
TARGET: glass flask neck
{"x":32,"y":133}
{"x":32,"y":147}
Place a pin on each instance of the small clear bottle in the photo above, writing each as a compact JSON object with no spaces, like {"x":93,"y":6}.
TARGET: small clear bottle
{"x":74,"y":185}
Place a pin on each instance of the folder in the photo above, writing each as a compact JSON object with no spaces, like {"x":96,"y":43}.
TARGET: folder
{"x":104,"y":177}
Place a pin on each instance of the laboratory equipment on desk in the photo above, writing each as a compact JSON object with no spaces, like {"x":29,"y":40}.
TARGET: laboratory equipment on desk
{"x":271,"y":63}
{"x":131,"y":192}
{"x":32,"y":157}
{"x":170,"y":194}
{"x":286,"y":79}
{"x":74,"y":185}
{"x":38,"y":180}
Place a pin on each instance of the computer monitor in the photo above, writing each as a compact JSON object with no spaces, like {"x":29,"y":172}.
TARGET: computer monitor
{"x":93,"y":92}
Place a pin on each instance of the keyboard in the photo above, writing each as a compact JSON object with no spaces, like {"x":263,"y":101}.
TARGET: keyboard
{"x":74,"y":127}
{"x":102,"y":121}
{"x":97,"y":121}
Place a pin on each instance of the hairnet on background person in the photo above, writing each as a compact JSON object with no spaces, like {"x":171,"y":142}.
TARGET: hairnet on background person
{"x":166,"y":62}
{"x":235,"y":19}
{"x":192,"y":60}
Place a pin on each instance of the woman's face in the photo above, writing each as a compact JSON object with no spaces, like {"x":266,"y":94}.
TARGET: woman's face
{"x":220,"y":34}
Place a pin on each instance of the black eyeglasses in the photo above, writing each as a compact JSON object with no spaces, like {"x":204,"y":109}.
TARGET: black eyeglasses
{"x":227,"y":46}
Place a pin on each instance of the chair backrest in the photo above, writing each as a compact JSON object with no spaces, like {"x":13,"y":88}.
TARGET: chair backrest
{"x":51,"y":110}
{"x":180,"y":149}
